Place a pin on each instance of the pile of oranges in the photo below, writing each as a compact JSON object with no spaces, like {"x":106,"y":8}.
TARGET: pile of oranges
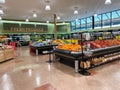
{"x":70,"y":47}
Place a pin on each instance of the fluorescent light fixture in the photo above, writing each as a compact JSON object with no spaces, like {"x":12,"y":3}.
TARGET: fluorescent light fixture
{"x":1,"y":11}
{"x":76,"y":12}
{"x":27,"y":20}
{"x":108,"y":2}
{"x":58,"y":17}
{"x":34,"y":15}
{"x":2,"y":1}
{"x":47,"y":21}
{"x":47,"y":8}
{"x":95,"y":14}
{"x":76,"y":19}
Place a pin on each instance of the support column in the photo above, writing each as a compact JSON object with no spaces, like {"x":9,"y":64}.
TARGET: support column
{"x":55,"y":27}
{"x":36,"y":51}
{"x":76,"y":66}
{"x":93,"y":22}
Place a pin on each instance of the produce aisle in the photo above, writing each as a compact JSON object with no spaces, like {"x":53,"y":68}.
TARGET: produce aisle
{"x":29,"y":72}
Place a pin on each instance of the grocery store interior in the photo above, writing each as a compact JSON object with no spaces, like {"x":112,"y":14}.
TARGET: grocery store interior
{"x":59,"y":44}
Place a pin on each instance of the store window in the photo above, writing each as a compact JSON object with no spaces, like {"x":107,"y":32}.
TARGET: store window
{"x":98,"y":21}
{"x":116,"y":18}
{"x":106,"y":20}
{"x":89,"y":23}
{"x":78,"y":27}
{"x":73,"y":25}
{"x":83,"y":24}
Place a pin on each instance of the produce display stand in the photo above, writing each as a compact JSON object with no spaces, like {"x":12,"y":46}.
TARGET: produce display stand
{"x":40,"y":49}
{"x":104,"y":56}
{"x":90,"y":58}
{"x":69,"y":58}
{"x":74,"y":59}
{"x":6,"y":54}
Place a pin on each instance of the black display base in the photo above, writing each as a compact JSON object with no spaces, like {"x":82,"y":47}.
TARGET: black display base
{"x":49,"y":61}
{"x":83,"y":72}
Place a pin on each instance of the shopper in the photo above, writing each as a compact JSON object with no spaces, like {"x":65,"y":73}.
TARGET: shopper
{"x":18,"y":42}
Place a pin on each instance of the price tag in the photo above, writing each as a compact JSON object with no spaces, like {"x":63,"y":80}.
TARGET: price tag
{"x":44,"y":52}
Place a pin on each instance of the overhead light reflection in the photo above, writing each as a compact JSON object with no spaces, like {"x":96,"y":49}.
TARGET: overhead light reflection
{"x":30,"y":72}
{"x":38,"y":81}
{"x":7,"y":82}
{"x":49,"y":67}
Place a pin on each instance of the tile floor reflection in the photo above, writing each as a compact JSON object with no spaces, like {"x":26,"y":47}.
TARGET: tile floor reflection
{"x":29,"y":72}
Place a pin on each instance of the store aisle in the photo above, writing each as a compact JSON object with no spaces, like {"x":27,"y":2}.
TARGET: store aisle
{"x":29,"y":72}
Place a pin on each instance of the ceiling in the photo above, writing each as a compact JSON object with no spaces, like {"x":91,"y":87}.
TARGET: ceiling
{"x":22,"y":9}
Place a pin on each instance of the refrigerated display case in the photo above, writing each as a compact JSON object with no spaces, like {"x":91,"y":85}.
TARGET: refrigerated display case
{"x":107,"y":50}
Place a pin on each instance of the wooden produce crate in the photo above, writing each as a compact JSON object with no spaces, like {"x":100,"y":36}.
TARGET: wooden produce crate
{"x":2,"y":56}
{"x":9,"y":53}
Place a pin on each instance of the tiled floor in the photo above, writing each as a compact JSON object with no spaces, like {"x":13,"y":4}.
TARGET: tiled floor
{"x":30,"y":72}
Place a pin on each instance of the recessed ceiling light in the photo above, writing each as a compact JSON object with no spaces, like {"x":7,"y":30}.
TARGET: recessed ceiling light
{"x":58,"y":17}
{"x":76,"y":12}
{"x":1,"y":11}
{"x":95,"y":14}
{"x":27,"y":20}
{"x":47,"y":21}
{"x":108,"y":2}
{"x":2,"y":1}
{"x":76,"y":19}
{"x":34,"y":15}
{"x":47,"y":7}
